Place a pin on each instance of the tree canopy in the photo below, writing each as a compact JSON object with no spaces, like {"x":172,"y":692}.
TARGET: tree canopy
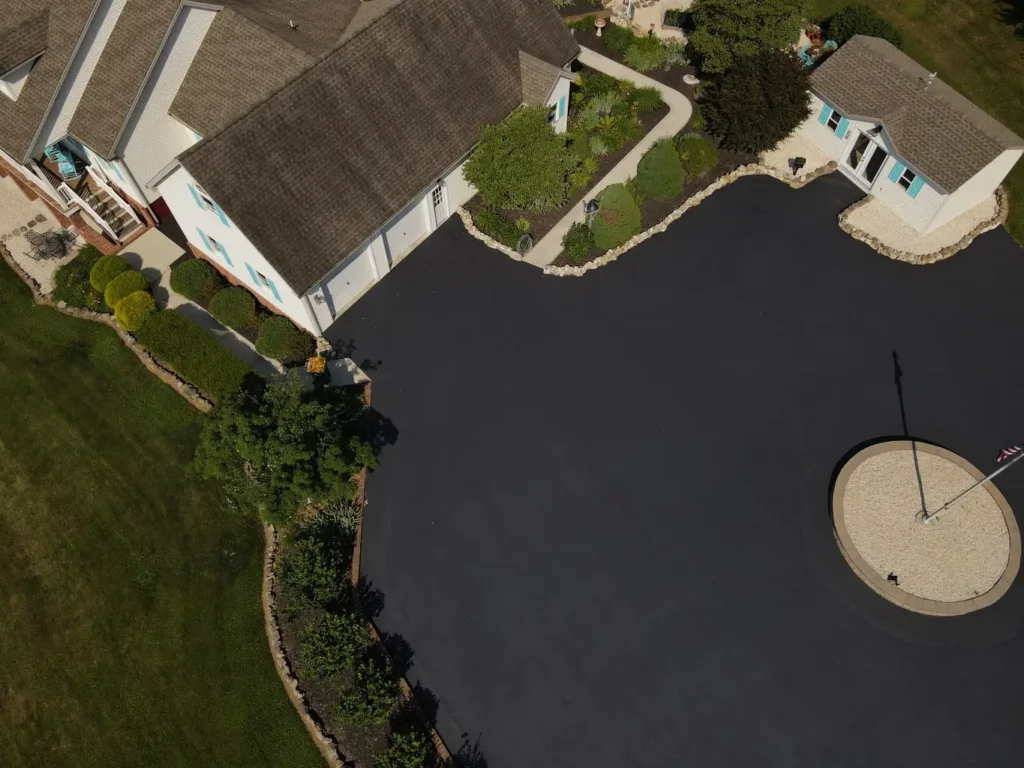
{"x":725,"y":30}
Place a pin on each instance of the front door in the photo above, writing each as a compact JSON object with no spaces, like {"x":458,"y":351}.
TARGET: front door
{"x":440,"y":203}
{"x":858,"y":152}
{"x":874,"y":164}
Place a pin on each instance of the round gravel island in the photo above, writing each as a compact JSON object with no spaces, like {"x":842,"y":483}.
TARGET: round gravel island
{"x":964,"y":560}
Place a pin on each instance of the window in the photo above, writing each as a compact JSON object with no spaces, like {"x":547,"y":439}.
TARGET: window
{"x":833,"y":121}
{"x":906,"y":179}
{"x":437,"y":196}
{"x":214,"y":245}
{"x":206,"y":201}
{"x":263,"y":280}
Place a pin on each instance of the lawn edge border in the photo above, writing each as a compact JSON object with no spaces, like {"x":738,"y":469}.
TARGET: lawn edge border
{"x":164,"y":374}
{"x":919,"y":259}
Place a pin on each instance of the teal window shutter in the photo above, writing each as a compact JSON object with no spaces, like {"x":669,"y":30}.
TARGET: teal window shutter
{"x":897,"y":171}
{"x":842,"y":128}
{"x":223,"y":218}
{"x":915,"y":186}
{"x":206,"y":241}
{"x":253,"y":275}
{"x":117,"y":170}
{"x":195,"y":196}
{"x":224,"y":253}
{"x":273,"y":289}
{"x":826,"y":110}
{"x":561,"y":108}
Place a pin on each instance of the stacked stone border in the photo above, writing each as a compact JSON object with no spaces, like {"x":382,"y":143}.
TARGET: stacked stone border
{"x":1002,"y":211}
{"x":880,"y":585}
{"x":166,"y":375}
{"x":752,"y":169}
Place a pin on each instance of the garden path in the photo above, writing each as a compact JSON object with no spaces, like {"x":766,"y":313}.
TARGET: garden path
{"x":680,"y":110}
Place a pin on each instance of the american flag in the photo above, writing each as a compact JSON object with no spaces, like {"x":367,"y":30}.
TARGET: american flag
{"x":1007,"y":453}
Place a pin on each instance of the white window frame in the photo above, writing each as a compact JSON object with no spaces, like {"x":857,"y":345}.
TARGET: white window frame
{"x":437,"y":196}
{"x":215,"y":245}
{"x":905,"y":180}
{"x":263,"y":280}
{"x":207,"y":200}
{"x":838,"y":119}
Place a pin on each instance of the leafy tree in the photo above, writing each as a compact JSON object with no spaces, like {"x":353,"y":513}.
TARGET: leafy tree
{"x":521,"y":162}
{"x":334,"y":643}
{"x":728,"y":29}
{"x":371,"y":698}
{"x":860,"y":19}
{"x":278,"y":448}
{"x":660,"y":173}
{"x":407,"y":750}
{"x":617,"y":219}
{"x":314,"y":565}
{"x":758,"y":102}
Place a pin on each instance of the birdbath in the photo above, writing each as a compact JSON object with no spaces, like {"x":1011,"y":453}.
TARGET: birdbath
{"x":600,"y":25}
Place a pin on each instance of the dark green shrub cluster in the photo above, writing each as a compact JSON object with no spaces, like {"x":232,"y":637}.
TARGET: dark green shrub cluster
{"x":234,"y":307}
{"x":577,"y":242}
{"x":584,"y":22}
{"x":618,"y":39}
{"x":618,"y":218}
{"x":133,"y":310}
{"x":106,"y":269}
{"x":726,"y":30}
{"x":192,"y":353}
{"x":312,"y":570}
{"x":697,"y":154}
{"x":406,"y":750}
{"x":280,"y":339}
{"x":371,"y":698}
{"x":334,"y":644}
{"x":860,"y":19}
{"x":697,"y":122}
{"x":493,"y":224}
{"x":72,"y":282}
{"x":647,"y":99}
{"x":195,"y":280}
{"x":645,"y":54}
{"x":126,"y":283}
{"x":660,"y":174}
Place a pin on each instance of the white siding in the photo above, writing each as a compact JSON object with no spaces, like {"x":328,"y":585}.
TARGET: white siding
{"x":976,"y":188}
{"x":458,"y":189}
{"x":823,"y":136}
{"x":81,"y":69}
{"x":12,"y":83}
{"x":561,"y":90}
{"x":152,"y":137}
{"x":916,"y":211}
{"x":191,"y":218}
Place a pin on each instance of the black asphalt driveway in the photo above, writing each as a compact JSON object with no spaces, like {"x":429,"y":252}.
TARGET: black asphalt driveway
{"x":604,"y":525}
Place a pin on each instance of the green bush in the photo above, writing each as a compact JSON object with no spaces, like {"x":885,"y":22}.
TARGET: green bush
{"x":195,"y":280}
{"x":314,"y":565}
{"x":279,"y":339}
{"x":860,"y":19}
{"x":618,"y":38}
{"x":645,"y":54}
{"x":334,"y":643}
{"x":131,"y":311}
{"x":586,"y":22}
{"x":636,"y":192}
{"x":697,"y":122}
{"x":72,"y":282}
{"x":647,"y":99}
{"x":493,"y":224}
{"x":660,"y":173}
{"x":577,"y":242}
{"x":234,"y":307}
{"x":371,"y":698}
{"x":697,"y":154}
{"x":728,"y":29}
{"x":192,"y":353}
{"x":124,"y":284}
{"x":618,"y":218}
{"x":106,"y":269}
{"x":593,"y":83}
{"x":406,"y":750}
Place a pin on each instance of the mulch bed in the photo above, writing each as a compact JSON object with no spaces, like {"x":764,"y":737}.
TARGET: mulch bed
{"x":580,"y":8}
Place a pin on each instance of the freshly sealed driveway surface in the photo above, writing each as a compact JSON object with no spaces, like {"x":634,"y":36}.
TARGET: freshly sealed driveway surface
{"x":604,"y":526}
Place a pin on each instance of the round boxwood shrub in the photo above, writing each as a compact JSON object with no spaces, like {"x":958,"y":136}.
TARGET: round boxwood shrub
{"x":618,"y":218}
{"x":131,"y":311}
{"x":195,"y":280}
{"x":234,"y":307}
{"x":371,"y":698}
{"x":280,"y":340}
{"x":126,"y":283}
{"x":106,"y":269}
{"x":577,"y":242}
{"x":660,"y":174}
{"x":697,"y":154}
{"x":333,"y":644}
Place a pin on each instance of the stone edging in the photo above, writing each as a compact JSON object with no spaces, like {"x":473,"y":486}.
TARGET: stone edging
{"x":490,"y":242}
{"x":892,"y":593}
{"x":921,"y":259}
{"x":166,"y":375}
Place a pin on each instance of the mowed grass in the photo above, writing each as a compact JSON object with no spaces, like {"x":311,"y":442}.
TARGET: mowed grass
{"x":977,"y":47}
{"x":131,"y":631}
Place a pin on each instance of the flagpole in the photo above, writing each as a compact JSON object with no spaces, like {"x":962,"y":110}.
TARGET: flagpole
{"x":927,"y":518}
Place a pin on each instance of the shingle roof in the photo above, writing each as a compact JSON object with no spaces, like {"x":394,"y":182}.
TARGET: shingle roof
{"x":239,"y":65}
{"x":538,"y":78}
{"x":65,"y":22}
{"x":312,"y":172}
{"x":944,"y":135}
{"x":24,"y":39}
{"x":319,"y":24}
{"x":121,"y":72}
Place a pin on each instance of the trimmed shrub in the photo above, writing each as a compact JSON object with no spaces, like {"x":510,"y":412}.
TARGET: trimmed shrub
{"x":279,"y":339}
{"x":697,"y":154}
{"x":195,"y":280}
{"x":660,"y":173}
{"x":577,"y":242}
{"x":617,"y":38}
{"x":860,"y":19}
{"x":234,"y":307}
{"x":333,"y":644}
{"x":192,"y":353}
{"x":72,"y":282}
{"x":618,"y":218}
{"x":122,"y":285}
{"x":593,"y":83}
{"x":645,"y":54}
{"x":106,"y":269}
{"x":697,"y":122}
{"x":371,"y":698}
{"x":131,"y":311}
{"x":493,"y":224}
{"x":647,"y":99}
{"x":636,"y":192}
{"x":406,"y":750}
{"x":725,"y":30}
{"x":313,"y":568}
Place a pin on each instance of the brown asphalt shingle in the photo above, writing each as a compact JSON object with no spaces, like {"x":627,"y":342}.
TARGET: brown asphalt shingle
{"x":944,"y":135}
{"x":312,"y":172}
{"x":23,"y":39}
{"x":538,"y":77}
{"x":319,"y":24}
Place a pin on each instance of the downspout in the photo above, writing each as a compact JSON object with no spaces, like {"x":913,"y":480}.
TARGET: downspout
{"x":312,"y":314}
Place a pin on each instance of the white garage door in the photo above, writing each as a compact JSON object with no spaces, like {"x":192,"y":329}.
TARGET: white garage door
{"x":347,"y":283}
{"x":407,"y":230}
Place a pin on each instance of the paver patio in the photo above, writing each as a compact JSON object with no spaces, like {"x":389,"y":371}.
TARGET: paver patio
{"x":604,"y":529}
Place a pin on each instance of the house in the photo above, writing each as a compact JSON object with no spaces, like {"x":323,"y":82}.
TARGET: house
{"x":900,"y":133}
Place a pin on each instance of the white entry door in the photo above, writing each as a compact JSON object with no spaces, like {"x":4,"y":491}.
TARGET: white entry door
{"x":354,"y":276}
{"x":439,"y":200}
{"x":410,"y":226}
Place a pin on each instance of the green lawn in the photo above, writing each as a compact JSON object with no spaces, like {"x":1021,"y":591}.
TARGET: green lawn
{"x":131,"y":631}
{"x":975,"y":49}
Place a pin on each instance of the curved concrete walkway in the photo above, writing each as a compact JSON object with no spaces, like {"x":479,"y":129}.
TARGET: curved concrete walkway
{"x":680,"y":110}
